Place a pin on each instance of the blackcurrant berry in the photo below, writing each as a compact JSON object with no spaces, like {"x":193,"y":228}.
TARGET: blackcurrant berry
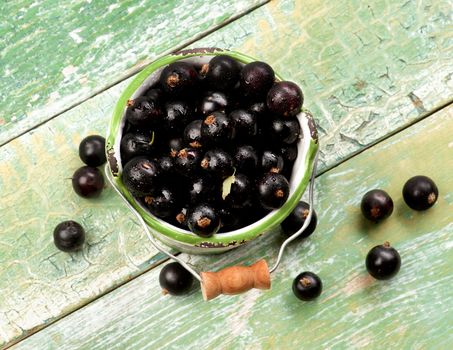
{"x":240,"y":191}
{"x":213,"y":102}
{"x":140,"y":176}
{"x":180,"y":218}
{"x":273,"y":191}
{"x":217,"y":129}
{"x":307,"y":286}
{"x":69,"y":236}
{"x":175,"y":144}
{"x":272,"y":161}
{"x":155,"y":94}
{"x":203,"y":220}
{"x":218,"y":162}
{"x":202,"y":189}
{"x":166,"y":165}
{"x":176,"y":116}
{"x":244,"y":122}
{"x":296,"y":220}
{"x":188,"y":161}
{"x":88,"y":182}
{"x":376,"y":205}
{"x":420,"y":192}
{"x":163,"y":202}
{"x":222,"y":72}
{"x":92,"y":150}
{"x":134,"y":144}
{"x":285,"y":130}
{"x":288,"y":152}
{"x":143,"y":112}
{"x":192,"y":134}
{"x":383,"y":262}
{"x":179,"y":79}
{"x":174,"y":279}
{"x":259,"y":109}
{"x":285,"y":99}
{"x":246,"y":159}
{"x":256,"y":79}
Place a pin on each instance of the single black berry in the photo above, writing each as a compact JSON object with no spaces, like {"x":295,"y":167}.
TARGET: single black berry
{"x":222,"y":72}
{"x":192,"y":134}
{"x":176,"y":115}
{"x":202,"y":189}
{"x":179,"y":79}
{"x":218,"y":163}
{"x":240,"y":192}
{"x":166,"y":165}
{"x":88,"y":182}
{"x":230,"y":218}
{"x":134,"y":144}
{"x":259,"y":109}
{"x":272,"y":161}
{"x":188,"y":161}
{"x":256,"y":79}
{"x":69,"y":236}
{"x":296,"y":219}
{"x":288,"y":152}
{"x":203,"y":220}
{"x":246,"y":159}
{"x":420,"y":192}
{"x":174,"y":145}
{"x":217,"y":129}
{"x":307,"y":286}
{"x":163,"y":202}
{"x":174,"y":279}
{"x":383,"y":262}
{"x":92,"y":150}
{"x":285,"y":99}
{"x":180,"y":219}
{"x":213,"y":102}
{"x":273,"y":191}
{"x":140,"y":176}
{"x":155,"y":94}
{"x":244,"y":122}
{"x":143,"y":112}
{"x":376,"y":205}
{"x":285,"y":130}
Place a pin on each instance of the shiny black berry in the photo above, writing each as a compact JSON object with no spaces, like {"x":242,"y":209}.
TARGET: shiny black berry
{"x":296,"y":220}
{"x":176,"y":115}
{"x":420,"y":192}
{"x":285,"y":130}
{"x":307,"y":286}
{"x":203,"y":188}
{"x":285,"y":99}
{"x":188,"y":161}
{"x":174,"y":145}
{"x":246,"y":159}
{"x":203,"y":220}
{"x":230,"y":218}
{"x":155,"y":94}
{"x":288,"y":152}
{"x":222,"y":72}
{"x":217,"y":129}
{"x":192,"y":134}
{"x":256,"y":80}
{"x":272,"y":161}
{"x":383,"y":262}
{"x":376,"y":205}
{"x":88,"y":182}
{"x":134,"y":144}
{"x":174,"y":279}
{"x":273,"y":191}
{"x":92,"y":150}
{"x":69,"y":236}
{"x":218,"y":163}
{"x":240,"y":192}
{"x":166,"y":165}
{"x":144,"y":112}
{"x":140,"y":176}
{"x":179,"y":79}
{"x":180,"y":219}
{"x":213,"y":102}
{"x":244,"y":122}
{"x":163,"y":202}
{"x":259,"y":109}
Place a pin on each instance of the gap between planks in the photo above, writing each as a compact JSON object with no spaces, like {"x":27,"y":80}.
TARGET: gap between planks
{"x":140,"y":67}
{"x":160,"y":261}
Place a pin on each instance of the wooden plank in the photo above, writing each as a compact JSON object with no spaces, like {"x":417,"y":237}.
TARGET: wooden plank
{"x":52,"y":57}
{"x":354,"y":311}
{"x":53,"y":146}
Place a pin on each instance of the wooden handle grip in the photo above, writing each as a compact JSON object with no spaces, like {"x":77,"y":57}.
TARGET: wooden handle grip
{"x":235,"y":280}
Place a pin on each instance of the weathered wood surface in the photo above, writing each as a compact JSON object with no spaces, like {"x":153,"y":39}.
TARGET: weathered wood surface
{"x":287,"y":34}
{"x":53,"y":55}
{"x":410,"y":311}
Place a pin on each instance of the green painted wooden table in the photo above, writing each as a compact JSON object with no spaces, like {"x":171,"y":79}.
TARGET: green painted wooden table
{"x":376,"y":75}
